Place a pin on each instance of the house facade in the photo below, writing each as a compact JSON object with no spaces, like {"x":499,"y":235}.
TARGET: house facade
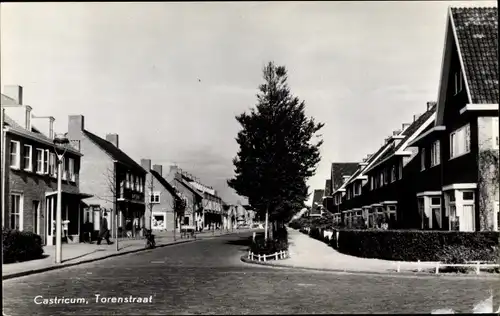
{"x":29,"y":164}
{"x":460,"y":151}
{"x":339,"y":173}
{"x":317,"y":203}
{"x":194,"y":199}
{"x":441,"y":171}
{"x":160,"y":199}
{"x":115,"y":181}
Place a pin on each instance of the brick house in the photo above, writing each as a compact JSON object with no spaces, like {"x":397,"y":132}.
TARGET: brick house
{"x":339,"y":172}
{"x":458,"y":172}
{"x":194,"y":199}
{"x":30,"y":189}
{"x":388,"y":194}
{"x":115,"y":181}
{"x":160,"y":199}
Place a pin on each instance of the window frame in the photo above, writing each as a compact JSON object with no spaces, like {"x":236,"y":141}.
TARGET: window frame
{"x":30,"y":164}
{"x":39,"y":160}
{"x":17,"y":164}
{"x":460,"y":141}
{"x":20,"y":210}
{"x":71,"y":169}
{"x":393,"y":173}
{"x":154,"y":197}
{"x":46,"y":158}
{"x":436,"y":153}
{"x":422,"y":159}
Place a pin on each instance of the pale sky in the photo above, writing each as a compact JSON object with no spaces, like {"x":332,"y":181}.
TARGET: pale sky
{"x":363,"y":69}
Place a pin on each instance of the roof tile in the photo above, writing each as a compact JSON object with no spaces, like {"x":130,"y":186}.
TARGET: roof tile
{"x":477,"y":36}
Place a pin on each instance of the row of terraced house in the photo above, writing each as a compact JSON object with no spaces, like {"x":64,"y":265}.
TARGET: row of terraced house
{"x":98,"y":180}
{"x":439,"y":171}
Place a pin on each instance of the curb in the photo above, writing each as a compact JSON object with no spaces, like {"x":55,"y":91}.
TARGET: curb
{"x":66,"y":265}
{"x":377,"y":273}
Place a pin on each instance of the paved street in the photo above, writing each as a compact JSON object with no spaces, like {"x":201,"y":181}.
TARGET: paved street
{"x":207,"y":277}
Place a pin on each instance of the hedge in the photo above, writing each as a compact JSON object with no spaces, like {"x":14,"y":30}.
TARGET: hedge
{"x":444,"y":246}
{"x":277,"y":244}
{"x":20,"y":246}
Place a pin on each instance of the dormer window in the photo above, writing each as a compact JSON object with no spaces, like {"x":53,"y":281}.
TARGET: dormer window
{"x":458,"y":82}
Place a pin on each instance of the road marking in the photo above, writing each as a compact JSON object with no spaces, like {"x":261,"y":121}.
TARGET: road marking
{"x":157,"y":261}
{"x":305,"y":284}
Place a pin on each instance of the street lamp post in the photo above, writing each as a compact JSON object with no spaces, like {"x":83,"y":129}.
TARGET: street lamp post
{"x":60,"y":142}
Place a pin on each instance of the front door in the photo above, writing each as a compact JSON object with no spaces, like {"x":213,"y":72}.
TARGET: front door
{"x":467,"y":221}
{"x":50,"y":224}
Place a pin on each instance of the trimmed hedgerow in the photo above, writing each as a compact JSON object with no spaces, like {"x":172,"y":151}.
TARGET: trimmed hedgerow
{"x":444,"y":246}
{"x":20,"y":246}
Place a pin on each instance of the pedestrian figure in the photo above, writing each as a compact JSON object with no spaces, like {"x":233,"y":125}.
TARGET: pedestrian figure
{"x":87,"y":231}
{"x":104,"y":231}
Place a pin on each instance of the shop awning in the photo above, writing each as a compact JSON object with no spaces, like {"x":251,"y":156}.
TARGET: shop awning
{"x":76,"y":194}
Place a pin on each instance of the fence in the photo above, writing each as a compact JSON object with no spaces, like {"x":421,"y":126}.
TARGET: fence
{"x":478,"y":265}
{"x":276,"y":256}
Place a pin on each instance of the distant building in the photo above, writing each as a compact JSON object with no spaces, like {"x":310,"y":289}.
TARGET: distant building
{"x":317,"y":203}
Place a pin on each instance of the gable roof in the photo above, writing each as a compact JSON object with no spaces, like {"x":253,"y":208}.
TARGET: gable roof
{"x":476,"y":35}
{"x":189,"y":187}
{"x":407,"y":133}
{"x":318,"y":197}
{"x":341,"y":169}
{"x":115,"y":152}
{"x":34,"y":134}
{"x":165,"y":184}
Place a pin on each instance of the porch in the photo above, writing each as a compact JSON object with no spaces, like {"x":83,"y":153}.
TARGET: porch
{"x":71,"y":216}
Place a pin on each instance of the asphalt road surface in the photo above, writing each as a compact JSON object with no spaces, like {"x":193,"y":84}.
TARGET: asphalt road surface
{"x":207,"y":277}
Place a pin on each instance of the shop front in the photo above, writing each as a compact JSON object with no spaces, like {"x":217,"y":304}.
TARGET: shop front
{"x":71,"y":217}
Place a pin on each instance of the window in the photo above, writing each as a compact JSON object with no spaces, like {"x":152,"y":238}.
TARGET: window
{"x":436,"y":212}
{"x":422,"y":159}
{"x":468,"y":195}
{"x":381,"y":176}
{"x":357,"y":189}
{"x":71,"y":163}
{"x":16,"y":218}
{"x":39,"y":160}
{"x":435,"y":154}
{"x":400,"y":173}
{"x":127,"y":181}
{"x":46,"y":162}
{"x":64,"y":169}
{"x":15,"y":157}
{"x":154,"y":197}
{"x":458,"y":82}
{"x":52,"y":165}
{"x":495,"y":132}
{"x":27,"y":161}
{"x":386,"y":176}
{"x":460,"y":141}
{"x":393,"y":173}
{"x":421,"y":211}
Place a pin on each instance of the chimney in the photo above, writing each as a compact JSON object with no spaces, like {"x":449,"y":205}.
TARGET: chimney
{"x":27,"y":121}
{"x":51,"y":127}
{"x":146,"y":164}
{"x":430,"y":104}
{"x":415,"y":117}
{"x":76,"y":125}
{"x":113,"y":139}
{"x":387,"y":140}
{"x":159,"y":169}
{"x":405,"y":126}
{"x":14,"y":92}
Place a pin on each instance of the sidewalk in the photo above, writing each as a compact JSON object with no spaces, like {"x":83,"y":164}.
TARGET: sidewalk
{"x":306,"y":252}
{"x":74,"y":254}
